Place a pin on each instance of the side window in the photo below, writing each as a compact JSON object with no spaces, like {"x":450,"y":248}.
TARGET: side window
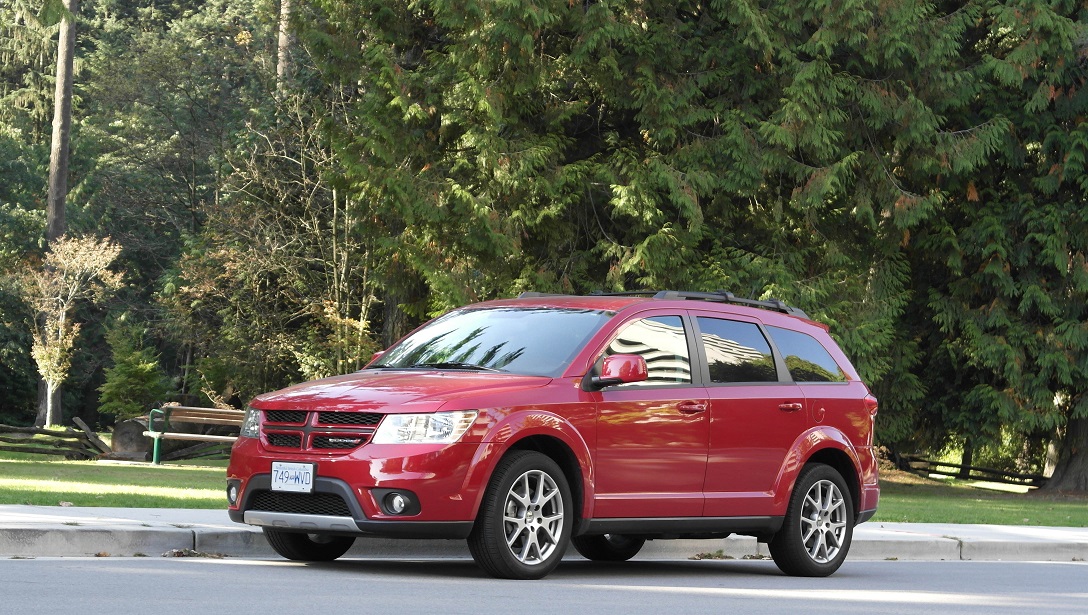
{"x":736,"y":351}
{"x":661,"y":341}
{"x":806,"y":358}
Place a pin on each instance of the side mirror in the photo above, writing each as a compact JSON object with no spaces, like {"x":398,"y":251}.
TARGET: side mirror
{"x":374,"y":357}
{"x":619,"y":369}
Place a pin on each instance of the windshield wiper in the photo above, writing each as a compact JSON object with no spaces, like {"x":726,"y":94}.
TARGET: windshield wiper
{"x":455,"y":365}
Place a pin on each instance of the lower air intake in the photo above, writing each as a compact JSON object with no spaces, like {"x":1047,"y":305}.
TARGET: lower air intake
{"x":300,"y":503}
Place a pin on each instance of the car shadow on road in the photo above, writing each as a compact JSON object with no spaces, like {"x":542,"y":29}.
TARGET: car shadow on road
{"x":465,"y":568}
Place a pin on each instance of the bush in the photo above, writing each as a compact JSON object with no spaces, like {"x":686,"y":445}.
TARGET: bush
{"x":136,"y":383}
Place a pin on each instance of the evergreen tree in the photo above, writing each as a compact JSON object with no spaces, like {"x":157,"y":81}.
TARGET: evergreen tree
{"x":136,"y":382}
{"x":1000,"y":269}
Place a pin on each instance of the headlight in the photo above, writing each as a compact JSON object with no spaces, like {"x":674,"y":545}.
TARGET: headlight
{"x":436,"y":428}
{"x":251,"y":424}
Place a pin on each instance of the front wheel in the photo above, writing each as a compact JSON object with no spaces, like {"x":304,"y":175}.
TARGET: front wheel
{"x":525,"y":520}
{"x":608,"y":547}
{"x":308,"y":547}
{"x":818,"y":527}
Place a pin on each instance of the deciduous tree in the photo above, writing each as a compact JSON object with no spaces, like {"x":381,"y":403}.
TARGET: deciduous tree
{"x":74,"y":269}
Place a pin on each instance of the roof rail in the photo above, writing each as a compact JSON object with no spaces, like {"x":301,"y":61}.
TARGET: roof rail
{"x":530,"y":294}
{"x":725,"y":296}
{"x":720,"y":296}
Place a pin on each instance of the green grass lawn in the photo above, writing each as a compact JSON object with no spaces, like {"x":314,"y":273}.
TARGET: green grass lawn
{"x":914,"y":500}
{"x":31,"y":479}
{"x":112,"y":484}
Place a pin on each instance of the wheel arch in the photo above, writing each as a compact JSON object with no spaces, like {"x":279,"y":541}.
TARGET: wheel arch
{"x":839,"y":461}
{"x":544,"y":432}
{"x":564,"y":457}
{"x":826,"y":446}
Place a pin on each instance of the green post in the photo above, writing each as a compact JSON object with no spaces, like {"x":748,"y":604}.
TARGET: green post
{"x":151,"y":427}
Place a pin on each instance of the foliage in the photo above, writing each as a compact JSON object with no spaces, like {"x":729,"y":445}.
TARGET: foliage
{"x":911,"y":173}
{"x":136,"y":382}
{"x":74,"y":269}
{"x":27,"y":63}
{"x":16,"y":366}
{"x":1000,"y":267}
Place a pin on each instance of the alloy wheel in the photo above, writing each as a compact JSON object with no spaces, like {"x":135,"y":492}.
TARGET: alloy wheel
{"x":533,"y":517}
{"x":823,"y":521}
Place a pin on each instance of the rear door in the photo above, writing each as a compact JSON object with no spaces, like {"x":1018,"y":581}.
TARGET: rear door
{"x":757,"y":413}
{"x":652,"y":436}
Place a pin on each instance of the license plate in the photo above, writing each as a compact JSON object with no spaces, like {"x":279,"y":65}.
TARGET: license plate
{"x":297,"y":477}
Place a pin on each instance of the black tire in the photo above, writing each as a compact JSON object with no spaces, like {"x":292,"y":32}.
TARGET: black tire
{"x":308,"y":547}
{"x":609,"y":547}
{"x":819,"y":525}
{"x":524,"y":524}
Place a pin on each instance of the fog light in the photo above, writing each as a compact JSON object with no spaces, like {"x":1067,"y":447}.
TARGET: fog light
{"x":232,"y":494}
{"x":396,"y":503}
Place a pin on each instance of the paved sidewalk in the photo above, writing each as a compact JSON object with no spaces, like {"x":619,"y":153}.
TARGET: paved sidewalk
{"x":49,"y":531}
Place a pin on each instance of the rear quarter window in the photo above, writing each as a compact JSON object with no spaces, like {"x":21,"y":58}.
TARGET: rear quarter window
{"x":806,"y":358}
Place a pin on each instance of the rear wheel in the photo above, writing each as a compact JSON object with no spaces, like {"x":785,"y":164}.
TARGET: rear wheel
{"x":308,"y":547}
{"x":609,"y":547}
{"x":818,"y":527}
{"x":524,"y":523}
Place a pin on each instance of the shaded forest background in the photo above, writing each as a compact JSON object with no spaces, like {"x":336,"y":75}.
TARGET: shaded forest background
{"x":294,"y":184}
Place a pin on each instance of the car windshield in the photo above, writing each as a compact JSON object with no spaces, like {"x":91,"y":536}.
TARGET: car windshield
{"x":531,"y":341}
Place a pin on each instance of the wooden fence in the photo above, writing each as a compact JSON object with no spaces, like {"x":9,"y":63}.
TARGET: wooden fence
{"x":922,"y":466}
{"x":68,"y":443}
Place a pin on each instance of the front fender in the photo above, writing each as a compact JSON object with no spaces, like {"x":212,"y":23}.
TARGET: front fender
{"x":510,"y":429}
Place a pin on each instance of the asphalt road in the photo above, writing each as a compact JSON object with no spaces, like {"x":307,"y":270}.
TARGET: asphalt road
{"x":122,"y":586}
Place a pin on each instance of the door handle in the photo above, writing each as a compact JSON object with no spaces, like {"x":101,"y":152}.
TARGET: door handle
{"x":790,"y":407}
{"x":691,"y":407}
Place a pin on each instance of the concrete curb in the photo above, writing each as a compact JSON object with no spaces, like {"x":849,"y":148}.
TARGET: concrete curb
{"x":33,"y":531}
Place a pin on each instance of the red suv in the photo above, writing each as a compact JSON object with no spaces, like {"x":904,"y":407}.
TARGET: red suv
{"x":526,"y":424}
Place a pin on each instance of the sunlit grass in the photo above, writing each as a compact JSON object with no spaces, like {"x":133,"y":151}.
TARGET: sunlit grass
{"x":111,"y":484}
{"x":916,"y":500}
{"x":69,"y":487}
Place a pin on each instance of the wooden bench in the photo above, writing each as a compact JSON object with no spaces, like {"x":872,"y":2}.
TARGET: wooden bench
{"x":188,"y":414}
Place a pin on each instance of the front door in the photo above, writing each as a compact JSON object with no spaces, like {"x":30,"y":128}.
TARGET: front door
{"x":652,"y":436}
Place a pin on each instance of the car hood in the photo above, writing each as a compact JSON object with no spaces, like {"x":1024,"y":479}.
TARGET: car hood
{"x":392,"y":391}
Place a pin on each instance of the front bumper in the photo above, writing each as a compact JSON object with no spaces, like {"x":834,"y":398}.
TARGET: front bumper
{"x":320,"y":513}
{"x":446,"y":482}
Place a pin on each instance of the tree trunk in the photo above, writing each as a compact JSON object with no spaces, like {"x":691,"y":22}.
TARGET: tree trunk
{"x":1071,"y":473}
{"x":43,"y":403}
{"x":968,"y":459}
{"x":403,"y":288}
{"x":49,"y":405}
{"x":62,"y":124}
{"x":52,"y":405}
{"x":283,"y":48}
{"x":396,"y":323}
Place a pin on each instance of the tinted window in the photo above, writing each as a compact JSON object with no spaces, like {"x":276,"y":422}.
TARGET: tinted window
{"x":661,"y":341}
{"x":533,"y":341}
{"x":736,"y":351}
{"x":806,"y":358}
